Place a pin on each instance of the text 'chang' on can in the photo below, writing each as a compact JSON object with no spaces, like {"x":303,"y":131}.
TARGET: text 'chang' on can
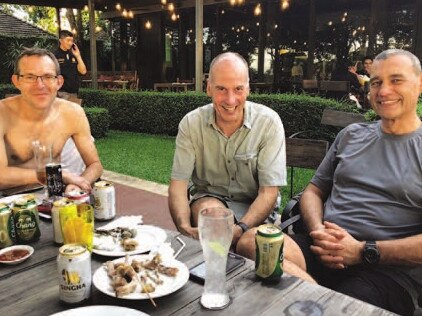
{"x":74,"y":273}
{"x":269,"y":242}
{"x":105,"y":200}
{"x":26,"y":219}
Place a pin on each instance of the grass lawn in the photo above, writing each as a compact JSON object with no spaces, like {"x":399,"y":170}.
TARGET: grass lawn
{"x":150,"y":157}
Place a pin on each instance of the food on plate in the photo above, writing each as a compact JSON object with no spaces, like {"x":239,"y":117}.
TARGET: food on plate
{"x":14,"y":254}
{"x":129,"y":244}
{"x":115,"y":239}
{"x":125,"y":276}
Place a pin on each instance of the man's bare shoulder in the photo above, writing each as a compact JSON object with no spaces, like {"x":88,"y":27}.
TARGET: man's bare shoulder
{"x":69,"y":108}
{"x":7,"y":107}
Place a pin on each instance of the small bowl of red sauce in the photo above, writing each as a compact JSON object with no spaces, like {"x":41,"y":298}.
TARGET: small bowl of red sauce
{"x":15,"y":254}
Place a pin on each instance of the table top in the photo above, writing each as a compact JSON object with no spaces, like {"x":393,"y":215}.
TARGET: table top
{"x":31,"y":288}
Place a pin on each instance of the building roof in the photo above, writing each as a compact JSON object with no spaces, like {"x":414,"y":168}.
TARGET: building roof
{"x":12,"y":26}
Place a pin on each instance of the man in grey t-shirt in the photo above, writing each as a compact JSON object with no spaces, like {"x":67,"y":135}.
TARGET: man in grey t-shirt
{"x":232,"y":150}
{"x":363,"y":207}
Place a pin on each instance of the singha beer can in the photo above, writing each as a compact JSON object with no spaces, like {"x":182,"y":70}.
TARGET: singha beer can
{"x":105,"y":200}
{"x":269,"y":242}
{"x":7,"y":226}
{"x":54,"y":179}
{"x":74,"y":271}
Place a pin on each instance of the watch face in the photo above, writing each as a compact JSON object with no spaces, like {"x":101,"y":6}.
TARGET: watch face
{"x":371,"y":255}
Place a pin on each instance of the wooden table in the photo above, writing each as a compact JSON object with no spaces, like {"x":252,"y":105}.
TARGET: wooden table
{"x":173,"y":86}
{"x":31,"y":288}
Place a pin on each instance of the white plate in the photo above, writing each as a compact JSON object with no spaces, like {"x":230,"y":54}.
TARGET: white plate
{"x":147,"y":237}
{"x":101,"y":310}
{"x":102,"y":282}
{"x":25,"y":247}
{"x":9,"y":199}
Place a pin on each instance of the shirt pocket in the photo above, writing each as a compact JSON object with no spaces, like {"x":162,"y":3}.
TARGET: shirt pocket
{"x":246,"y":164}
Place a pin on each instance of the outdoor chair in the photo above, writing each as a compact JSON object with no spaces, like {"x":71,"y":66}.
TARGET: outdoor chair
{"x":335,"y":89}
{"x":310,"y":87}
{"x":304,"y":153}
{"x":340,"y":118}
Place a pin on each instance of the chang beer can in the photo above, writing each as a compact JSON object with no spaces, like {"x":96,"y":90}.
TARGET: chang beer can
{"x":105,"y":200}
{"x":7,"y":226}
{"x":269,"y":252}
{"x":74,"y":272}
{"x":26,"y":219}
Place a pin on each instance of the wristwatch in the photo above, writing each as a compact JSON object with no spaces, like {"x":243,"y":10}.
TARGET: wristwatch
{"x":371,"y":254}
{"x":243,"y":226}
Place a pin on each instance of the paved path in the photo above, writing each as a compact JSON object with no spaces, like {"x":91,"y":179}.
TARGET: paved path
{"x":140,"y":197}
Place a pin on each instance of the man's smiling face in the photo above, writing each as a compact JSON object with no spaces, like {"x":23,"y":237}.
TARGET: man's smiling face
{"x":395,"y":87}
{"x":229,"y":87}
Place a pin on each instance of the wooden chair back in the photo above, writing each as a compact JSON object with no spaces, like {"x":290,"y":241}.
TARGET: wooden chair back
{"x":340,"y":118}
{"x":304,"y":153}
{"x":309,"y":84}
{"x":334,"y":86}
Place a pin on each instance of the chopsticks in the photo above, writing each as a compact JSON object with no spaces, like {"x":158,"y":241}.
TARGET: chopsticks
{"x":147,"y":292}
{"x":181,"y":248}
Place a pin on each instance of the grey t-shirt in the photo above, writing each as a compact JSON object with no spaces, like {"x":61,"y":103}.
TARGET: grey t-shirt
{"x":374,"y":185}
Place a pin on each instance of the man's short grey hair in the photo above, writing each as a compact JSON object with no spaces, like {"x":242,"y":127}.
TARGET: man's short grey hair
{"x":228,"y":56}
{"x":416,"y":64}
{"x":36,"y":51}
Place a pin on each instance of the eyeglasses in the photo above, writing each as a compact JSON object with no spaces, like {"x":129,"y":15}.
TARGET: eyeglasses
{"x":47,"y":79}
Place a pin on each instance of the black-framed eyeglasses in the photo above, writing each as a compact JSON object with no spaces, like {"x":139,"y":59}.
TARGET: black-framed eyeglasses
{"x":47,"y":79}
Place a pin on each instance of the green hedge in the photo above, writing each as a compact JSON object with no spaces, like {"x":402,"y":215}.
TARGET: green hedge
{"x":161,"y":112}
{"x":99,"y":121}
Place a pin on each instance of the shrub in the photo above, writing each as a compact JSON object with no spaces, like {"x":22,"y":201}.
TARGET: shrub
{"x":160,"y":113}
{"x":99,"y":120}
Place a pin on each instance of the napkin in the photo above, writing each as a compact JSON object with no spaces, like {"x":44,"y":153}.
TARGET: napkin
{"x":124,"y":221}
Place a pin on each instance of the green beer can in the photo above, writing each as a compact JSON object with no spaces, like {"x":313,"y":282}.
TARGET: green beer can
{"x":269,"y":242}
{"x":7,"y":227}
{"x":26,"y":219}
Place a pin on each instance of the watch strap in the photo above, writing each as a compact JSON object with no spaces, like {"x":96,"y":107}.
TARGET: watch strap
{"x":243,"y":226}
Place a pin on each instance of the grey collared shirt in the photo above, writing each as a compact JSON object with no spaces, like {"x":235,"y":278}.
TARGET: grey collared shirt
{"x":235,"y":166}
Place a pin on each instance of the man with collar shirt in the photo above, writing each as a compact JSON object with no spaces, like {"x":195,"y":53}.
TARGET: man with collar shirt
{"x":233,"y":151}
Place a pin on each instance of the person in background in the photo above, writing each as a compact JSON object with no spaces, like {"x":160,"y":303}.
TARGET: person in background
{"x":71,"y":64}
{"x":297,"y":75}
{"x":233,"y":151}
{"x":37,"y":114}
{"x":363,"y":207}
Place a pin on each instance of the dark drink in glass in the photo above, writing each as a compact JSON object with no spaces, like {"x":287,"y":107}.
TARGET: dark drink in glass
{"x":54,"y":179}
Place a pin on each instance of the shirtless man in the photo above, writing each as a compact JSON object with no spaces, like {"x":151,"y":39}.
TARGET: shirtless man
{"x":36,"y":114}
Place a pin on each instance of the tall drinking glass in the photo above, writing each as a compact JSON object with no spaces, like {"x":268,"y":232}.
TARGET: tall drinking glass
{"x":43,"y":154}
{"x":215,"y":233}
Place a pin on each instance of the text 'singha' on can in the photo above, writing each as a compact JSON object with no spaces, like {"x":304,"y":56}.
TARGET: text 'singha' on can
{"x":269,"y":242}
{"x":7,"y":226}
{"x":105,"y":200}
{"x":74,"y":271}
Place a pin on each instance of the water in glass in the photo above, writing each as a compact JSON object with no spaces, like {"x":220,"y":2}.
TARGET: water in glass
{"x":215,"y":233}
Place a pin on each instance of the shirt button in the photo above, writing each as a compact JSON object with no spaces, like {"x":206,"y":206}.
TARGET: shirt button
{"x":229,"y":161}
{"x":232,"y":178}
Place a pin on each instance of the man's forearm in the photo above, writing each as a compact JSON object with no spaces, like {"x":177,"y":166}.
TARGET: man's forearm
{"x":406,"y":251}
{"x":311,"y":208}
{"x":93,"y":172}
{"x":81,"y":65}
{"x":179,"y":204}
{"x":262,"y":207}
{"x":14,"y":176}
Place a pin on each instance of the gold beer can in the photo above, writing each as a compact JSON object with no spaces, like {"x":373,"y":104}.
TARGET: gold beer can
{"x":7,"y":226}
{"x":105,"y":200}
{"x":74,"y":272}
{"x":269,"y":243}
